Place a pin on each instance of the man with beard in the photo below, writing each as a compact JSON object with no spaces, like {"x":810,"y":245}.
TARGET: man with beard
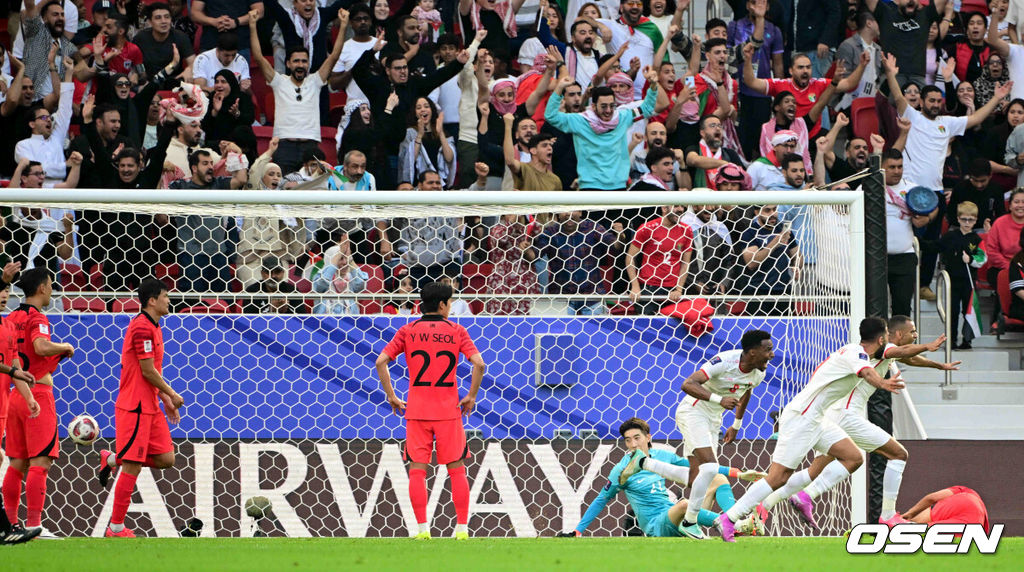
{"x":297,"y":114}
{"x":642,"y":35}
{"x":794,"y":176}
{"x":708,"y":156}
{"x":930,"y":132}
{"x":16,"y":112}
{"x":534,"y":175}
{"x":667,"y":247}
{"x":157,"y":42}
{"x":579,"y":55}
{"x":563,"y":162}
{"x":903,"y":27}
{"x":601,"y":133}
{"x":766,"y":171}
{"x":654,"y":135}
{"x":46,"y":144}
{"x":855,"y":152}
{"x":110,"y":52}
{"x":767,"y":40}
{"x":771,"y":262}
{"x":422,"y":61}
{"x":204,"y":242}
{"x":187,"y":140}
{"x":43,"y":26}
{"x":361,"y":20}
{"x":223,"y":57}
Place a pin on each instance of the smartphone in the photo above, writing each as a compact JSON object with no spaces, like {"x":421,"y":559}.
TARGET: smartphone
{"x":785,"y":227}
{"x":690,"y":82}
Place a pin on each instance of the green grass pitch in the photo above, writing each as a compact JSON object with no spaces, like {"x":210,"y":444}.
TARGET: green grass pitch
{"x":531,"y":555}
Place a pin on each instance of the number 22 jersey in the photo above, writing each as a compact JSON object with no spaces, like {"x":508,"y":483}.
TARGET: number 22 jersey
{"x":432,"y":346}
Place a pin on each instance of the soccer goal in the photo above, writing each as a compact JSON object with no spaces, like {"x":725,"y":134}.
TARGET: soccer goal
{"x":283,"y":300}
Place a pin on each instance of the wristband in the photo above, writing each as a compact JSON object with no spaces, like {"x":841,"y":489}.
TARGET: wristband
{"x":737,"y":424}
{"x":715,"y":398}
{"x":238,"y":23}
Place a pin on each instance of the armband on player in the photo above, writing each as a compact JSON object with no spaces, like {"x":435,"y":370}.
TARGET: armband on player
{"x":737,"y":424}
{"x":715,"y":398}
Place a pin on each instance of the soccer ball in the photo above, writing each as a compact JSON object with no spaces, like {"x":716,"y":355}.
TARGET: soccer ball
{"x":83,"y":430}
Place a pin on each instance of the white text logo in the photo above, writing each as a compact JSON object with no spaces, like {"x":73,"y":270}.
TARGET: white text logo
{"x":912,"y":537}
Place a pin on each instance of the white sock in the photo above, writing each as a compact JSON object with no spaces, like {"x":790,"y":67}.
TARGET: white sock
{"x":891,"y":487}
{"x":796,"y":483}
{"x":746,"y":503}
{"x":833,"y":474}
{"x":700,"y":488}
{"x":462,"y":528}
{"x":668,"y":470}
{"x":424,"y":527}
{"x":116,"y":527}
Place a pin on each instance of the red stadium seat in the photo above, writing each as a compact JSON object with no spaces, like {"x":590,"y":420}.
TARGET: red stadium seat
{"x":1005,"y":296}
{"x":374,"y":285}
{"x":126,"y":305}
{"x":968,"y":6}
{"x":328,"y":145}
{"x":96,"y":277}
{"x":474,"y":281}
{"x":72,"y":279}
{"x":268,"y":108}
{"x":81,"y":304}
{"x":864,"y":117}
{"x":263,"y":136}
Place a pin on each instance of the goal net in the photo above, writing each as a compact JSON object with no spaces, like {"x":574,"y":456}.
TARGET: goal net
{"x":283,"y":300}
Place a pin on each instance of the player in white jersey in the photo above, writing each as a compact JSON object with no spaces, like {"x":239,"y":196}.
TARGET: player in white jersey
{"x":724,"y":382}
{"x":850,"y":414}
{"x":803,"y":426}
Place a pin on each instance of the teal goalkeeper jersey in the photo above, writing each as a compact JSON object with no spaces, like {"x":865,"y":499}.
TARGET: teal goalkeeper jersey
{"x":645,"y":491}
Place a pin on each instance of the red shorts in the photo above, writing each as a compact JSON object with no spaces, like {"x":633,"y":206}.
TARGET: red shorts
{"x":141,"y":435}
{"x":29,"y":437}
{"x":421,"y":433}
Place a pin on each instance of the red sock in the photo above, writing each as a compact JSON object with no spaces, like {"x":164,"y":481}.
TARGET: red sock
{"x":460,"y":494}
{"x":12,"y":493}
{"x":35,"y":495}
{"x":122,"y":497}
{"x":418,"y":494}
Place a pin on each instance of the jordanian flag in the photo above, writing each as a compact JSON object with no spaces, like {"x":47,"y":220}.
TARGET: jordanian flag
{"x":648,"y":28}
{"x":972,"y":320}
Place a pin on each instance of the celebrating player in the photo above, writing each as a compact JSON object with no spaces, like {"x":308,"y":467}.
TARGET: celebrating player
{"x":10,"y":371}
{"x":714,"y":388}
{"x":32,"y":442}
{"x":432,"y":346}
{"x":803,"y":425}
{"x":953,"y":505}
{"x":850,"y":414}
{"x":656,"y":514}
{"x":143,"y":437}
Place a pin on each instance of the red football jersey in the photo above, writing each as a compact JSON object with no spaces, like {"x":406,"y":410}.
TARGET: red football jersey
{"x":142,"y":340}
{"x":805,"y":97}
{"x":432,"y":346}
{"x":662,"y":250}
{"x":8,"y":351}
{"x":964,"y":507}
{"x":29,"y":325}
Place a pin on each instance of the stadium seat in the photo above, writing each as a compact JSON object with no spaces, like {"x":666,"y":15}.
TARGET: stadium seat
{"x":72,"y":279}
{"x":328,"y":146}
{"x":337,"y":106}
{"x":968,"y":6}
{"x":863,"y":117}
{"x":303,"y":286}
{"x":96,"y":277}
{"x":81,"y":304}
{"x":268,"y":108}
{"x":474,"y":281}
{"x":1005,"y":322}
{"x":125,"y":305}
{"x":263,"y":134}
{"x":374,"y":285}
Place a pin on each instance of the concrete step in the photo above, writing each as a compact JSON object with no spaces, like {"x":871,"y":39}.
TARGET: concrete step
{"x":986,"y":422}
{"x":979,"y":359}
{"x":978,"y":394}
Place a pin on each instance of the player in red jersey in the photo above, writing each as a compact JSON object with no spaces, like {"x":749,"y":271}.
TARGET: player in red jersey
{"x":956,"y":504}
{"x":32,"y":442}
{"x":434,"y":411}
{"x":143,"y":437}
{"x":10,"y":372}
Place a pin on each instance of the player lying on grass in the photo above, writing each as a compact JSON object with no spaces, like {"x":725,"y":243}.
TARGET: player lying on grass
{"x":656,"y":514}
{"x":851,"y":416}
{"x":956,"y":504}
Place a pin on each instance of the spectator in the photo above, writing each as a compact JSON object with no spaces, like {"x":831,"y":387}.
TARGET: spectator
{"x":42,"y":236}
{"x":770,"y":263}
{"x":17,"y":111}
{"x":969,"y":51}
{"x":204,"y":247}
{"x":225,"y":18}
{"x":667,"y":248}
{"x":993,"y":73}
{"x":708,"y":156}
{"x":766,"y":171}
{"x":498,"y":18}
{"x":157,"y":42}
{"x":180,"y":16}
{"x":899,"y":224}
{"x":360,"y":19}
{"x":420,"y":62}
{"x":1001,"y":242}
{"x":100,"y":9}
{"x":459,"y":306}
{"x":43,"y":27}
{"x":371,"y":239}
{"x":654,"y":135}
{"x":793,"y":173}
{"x":511,"y":251}
{"x":111,"y":53}
{"x":449,"y":95}
{"x":46,"y":145}
{"x":115,"y":90}
{"x":904,"y":27}
{"x":563,"y":152}
{"x":535,"y":174}
{"x":784,"y":118}
{"x":712,"y":247}
{"x":272,"y":281}
{"x":979,"y":190}
{"x":1013,"y":54}
{"x":188,"y":140}
{"x":855,"y":152}
{"x":642,"y":36}
{"x":850,"y":53}
{"x":579,"y":53}
{"x":816,"y":33}
{"x":466,"y":144}
{"x":755,"y":107}
{"x":339,"y":275}
{"x":223,"y":57}
{"x":961,"y":256}
{"x":431,"y":245}
{"x":575,"y":248}
{"x":429,"y":21}
{"x":426,"y":147}
{"x":1016,"y":278}
{"x":297,"y":96}
{"x":600,"y":134}
{"x":360,"y":133}
{"x":263,"y":237}
{"x":230,"y":109}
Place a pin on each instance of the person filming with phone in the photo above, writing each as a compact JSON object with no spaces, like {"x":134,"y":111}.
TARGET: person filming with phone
{"x":771,"y":263}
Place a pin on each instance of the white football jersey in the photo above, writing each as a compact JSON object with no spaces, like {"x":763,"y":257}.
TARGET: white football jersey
{"x":834,"y":380}
{"x":725,"y":378}
{"x":857,"y":400}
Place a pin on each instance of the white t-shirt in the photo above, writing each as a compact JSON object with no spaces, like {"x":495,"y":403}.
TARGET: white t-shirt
{"x":640,"y":46}
{"x":899,"y":232}
{"x":1015,"y":65}
{"x":586,"y":69}
{"x":857,"y":401}
{"x":350,"y":54}
{"x":206,"y":65}
{"x":764,"y":176}
{"x":834,"y":379}
{"x":295,"y":119}
{"x":726,"y":379}
{"x":925,"y":153}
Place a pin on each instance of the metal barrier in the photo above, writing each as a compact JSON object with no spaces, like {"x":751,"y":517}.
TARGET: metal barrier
{"x":943,"y":303}
{"x":917,"y":285}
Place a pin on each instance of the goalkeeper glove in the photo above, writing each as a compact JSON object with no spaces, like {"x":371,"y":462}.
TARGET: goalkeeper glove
{"x":570,"y":534}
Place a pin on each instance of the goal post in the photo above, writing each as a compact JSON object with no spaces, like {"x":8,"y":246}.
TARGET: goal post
{"x":285,"y":404}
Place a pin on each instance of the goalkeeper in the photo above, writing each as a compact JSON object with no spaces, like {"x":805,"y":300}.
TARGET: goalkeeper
{"x":655,"y":512}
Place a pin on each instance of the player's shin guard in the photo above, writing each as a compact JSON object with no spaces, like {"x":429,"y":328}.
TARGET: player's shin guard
{"x":746,"y":503}
{"x":123,"y":489}
{"x":418,"y":494}
{"x":796,"y":483}
{"x":706,"y":517}
{"x":891,"y":487}
{"x":12,"y":492}
{"x":35,"y":496}
{"x":833,"y":474}
{"x":460,"y":494}
{"x":700,"y":488}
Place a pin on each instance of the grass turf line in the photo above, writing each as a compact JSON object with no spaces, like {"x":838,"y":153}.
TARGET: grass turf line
{"x":229,"y":554}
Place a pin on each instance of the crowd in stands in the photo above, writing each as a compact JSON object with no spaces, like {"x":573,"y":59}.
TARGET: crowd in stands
{"x":609,"y":95}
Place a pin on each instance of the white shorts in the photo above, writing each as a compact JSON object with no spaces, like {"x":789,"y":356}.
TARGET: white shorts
{"x":864,"y":433}
{"x":799,"y":434}
{"x":698,"y":429}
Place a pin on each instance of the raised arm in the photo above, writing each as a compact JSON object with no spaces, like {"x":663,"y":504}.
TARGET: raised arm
{"x":254,"y":45}
{"x":753,"y":82}
{"x":993,"y":37}
{"x":14,"y":91}
{"x":850,"y":82}
{"x":332,"y":58}
{"x":1002,"y":90}
{"x":607,"y":65}
{"x":891,"y":69}
{"x":893,"y":384}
